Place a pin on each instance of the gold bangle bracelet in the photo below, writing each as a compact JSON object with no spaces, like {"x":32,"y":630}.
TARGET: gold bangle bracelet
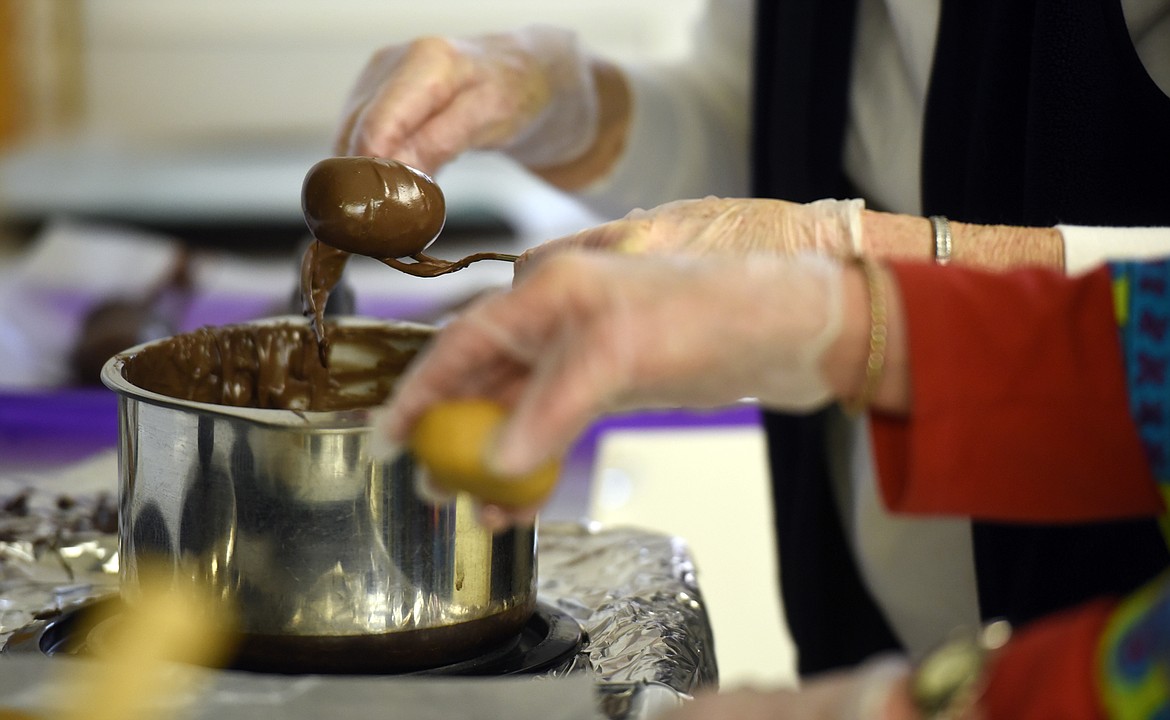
{"x":875,"y":361}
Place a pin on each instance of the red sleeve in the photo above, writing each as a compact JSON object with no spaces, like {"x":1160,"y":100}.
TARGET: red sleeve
{"x":1049,"y":669}
{"x":1019,"y":410}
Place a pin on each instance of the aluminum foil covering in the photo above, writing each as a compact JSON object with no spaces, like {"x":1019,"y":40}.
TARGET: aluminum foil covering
{"x":633,"y":592}
{"x":56,"y":550}
{"x":635,"y":595}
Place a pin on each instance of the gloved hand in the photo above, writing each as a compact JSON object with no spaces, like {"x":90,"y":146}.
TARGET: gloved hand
{"x":529,"y":92}
{"x":589,"y":333}
{"x":874,"y":690}
{"x":713,"y":225}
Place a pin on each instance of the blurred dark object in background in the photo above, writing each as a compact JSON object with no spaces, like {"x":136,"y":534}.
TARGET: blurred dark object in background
{"x":115,"y":324}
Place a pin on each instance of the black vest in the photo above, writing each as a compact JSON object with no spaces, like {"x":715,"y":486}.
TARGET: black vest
{"x":1039,"y":112}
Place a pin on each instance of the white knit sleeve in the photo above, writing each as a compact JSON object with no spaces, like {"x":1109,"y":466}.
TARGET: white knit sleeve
{"x":689,"y":123}
{"x":1088,"y":247}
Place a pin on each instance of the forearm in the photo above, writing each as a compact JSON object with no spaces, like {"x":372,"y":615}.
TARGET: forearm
{"x":888,"y":236}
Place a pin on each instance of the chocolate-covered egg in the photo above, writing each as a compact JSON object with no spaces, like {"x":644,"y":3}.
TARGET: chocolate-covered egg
{"x":372,"y":206}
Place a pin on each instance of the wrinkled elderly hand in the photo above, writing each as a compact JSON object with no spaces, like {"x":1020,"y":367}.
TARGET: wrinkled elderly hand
{"x":872,"y":691}
{"x":529,"y":92}
{"x":589,"y":333}
{"x":713,"y":225}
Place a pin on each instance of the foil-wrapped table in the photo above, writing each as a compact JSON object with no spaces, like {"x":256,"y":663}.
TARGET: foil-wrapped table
{"x":634,"y":592}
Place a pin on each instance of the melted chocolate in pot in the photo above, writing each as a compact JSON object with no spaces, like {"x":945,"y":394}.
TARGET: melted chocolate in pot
{"x":276,"y":366}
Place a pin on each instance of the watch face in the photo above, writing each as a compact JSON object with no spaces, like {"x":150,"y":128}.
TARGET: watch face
{"x":945,"y":672}
{"x":946,"y":681}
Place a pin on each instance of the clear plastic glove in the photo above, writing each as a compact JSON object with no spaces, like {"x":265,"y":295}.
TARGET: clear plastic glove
{"x":874,"y":690}
{"x":736,"y":226}
{"x":530,"y":92}
{"x":590,"y":333}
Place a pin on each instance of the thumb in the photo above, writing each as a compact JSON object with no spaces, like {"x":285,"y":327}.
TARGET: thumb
{"x":619,"y":236}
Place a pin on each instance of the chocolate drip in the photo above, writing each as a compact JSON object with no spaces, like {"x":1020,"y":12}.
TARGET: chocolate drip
{"x":375,"y":207}
{"x":321,"y":269}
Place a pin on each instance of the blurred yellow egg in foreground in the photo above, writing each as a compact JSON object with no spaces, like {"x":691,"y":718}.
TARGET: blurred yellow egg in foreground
{"x":451,"y":441}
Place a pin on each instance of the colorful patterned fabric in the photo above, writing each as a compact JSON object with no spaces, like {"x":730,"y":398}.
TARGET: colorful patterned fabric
{"x":1135,"y":659}
{"x":1135,"y":650}
{"x":1142,"y":302}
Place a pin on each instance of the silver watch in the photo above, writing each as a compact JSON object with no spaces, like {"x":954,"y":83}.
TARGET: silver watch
{"x":950,"y":679}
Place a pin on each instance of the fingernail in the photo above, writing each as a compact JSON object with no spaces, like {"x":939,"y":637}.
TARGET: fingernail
{"x":508,"y":456}
{"x":379,"y":443}
{"x":427,"y":491}
{"x":493,"y":518}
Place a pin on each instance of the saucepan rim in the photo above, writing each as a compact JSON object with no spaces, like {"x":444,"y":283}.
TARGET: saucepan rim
{"x":310,"y":421}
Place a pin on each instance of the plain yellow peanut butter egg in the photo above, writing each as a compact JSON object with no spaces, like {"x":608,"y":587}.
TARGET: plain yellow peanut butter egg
{"x":451,"y":441}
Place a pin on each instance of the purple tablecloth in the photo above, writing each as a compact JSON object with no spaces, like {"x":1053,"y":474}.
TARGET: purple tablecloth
{"x":60,"y":425}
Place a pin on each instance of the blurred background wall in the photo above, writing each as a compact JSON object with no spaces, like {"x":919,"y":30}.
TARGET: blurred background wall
{"x":212,"y":110}
{"x":263,"y":65}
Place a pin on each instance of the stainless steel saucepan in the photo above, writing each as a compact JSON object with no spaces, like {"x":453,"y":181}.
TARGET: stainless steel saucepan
{"x":325,"y":553}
